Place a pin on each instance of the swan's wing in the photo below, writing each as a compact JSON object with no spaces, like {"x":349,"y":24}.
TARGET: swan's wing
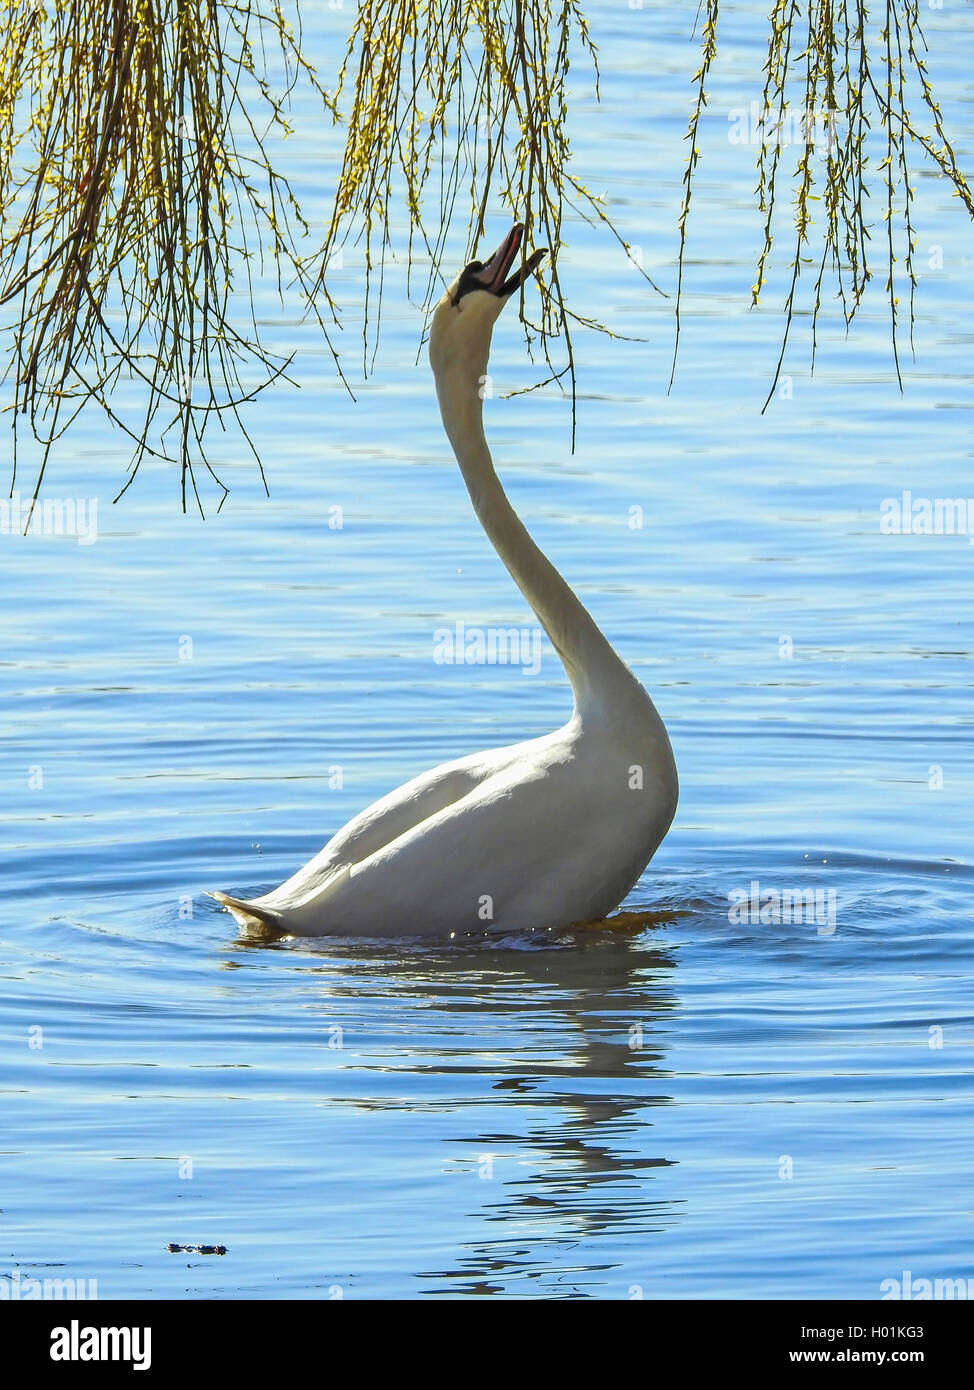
{"x":388,"y":820}
{"x":546,"y":841}
{"x":492,"y":843}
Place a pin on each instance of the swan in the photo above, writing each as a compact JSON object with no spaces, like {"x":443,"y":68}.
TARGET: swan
{"x":542,"y":834}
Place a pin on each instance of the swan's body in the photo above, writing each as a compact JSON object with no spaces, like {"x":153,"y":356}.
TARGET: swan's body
{"x":539,"y":834}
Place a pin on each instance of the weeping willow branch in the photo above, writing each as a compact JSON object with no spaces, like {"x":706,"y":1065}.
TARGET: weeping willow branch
{"x":854,"y":77}
{"x":130,"y":225}
{"x":140,"y":203}
{"x":468,"y":96}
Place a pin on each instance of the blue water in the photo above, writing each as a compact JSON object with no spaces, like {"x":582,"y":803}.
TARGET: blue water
{"x":706,"y":1108}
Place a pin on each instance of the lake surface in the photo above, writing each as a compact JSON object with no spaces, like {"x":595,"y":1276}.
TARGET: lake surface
{"x":710,"y":1107}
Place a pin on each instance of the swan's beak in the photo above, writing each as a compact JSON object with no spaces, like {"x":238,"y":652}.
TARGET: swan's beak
{"x":494,"y":275}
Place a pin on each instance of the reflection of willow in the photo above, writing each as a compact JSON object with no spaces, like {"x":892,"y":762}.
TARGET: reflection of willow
{"x":583,"y":1058}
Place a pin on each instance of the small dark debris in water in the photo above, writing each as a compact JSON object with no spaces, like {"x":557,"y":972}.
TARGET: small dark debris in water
{"x":197,"y":1249}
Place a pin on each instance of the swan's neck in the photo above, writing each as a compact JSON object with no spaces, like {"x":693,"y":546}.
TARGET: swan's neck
{"x":600,"y":681}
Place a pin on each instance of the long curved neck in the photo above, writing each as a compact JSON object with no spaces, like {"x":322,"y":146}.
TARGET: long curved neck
{"x":599,"y":679}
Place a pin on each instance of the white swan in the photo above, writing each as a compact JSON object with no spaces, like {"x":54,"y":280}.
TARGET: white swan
{"x":545,"y":833}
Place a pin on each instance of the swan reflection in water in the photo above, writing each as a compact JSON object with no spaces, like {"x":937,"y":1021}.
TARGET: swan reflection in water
{"x":570,"y":1033}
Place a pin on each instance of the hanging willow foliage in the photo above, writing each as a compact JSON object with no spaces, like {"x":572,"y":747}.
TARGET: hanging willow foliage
{"x":841,"y":81}
{"x":138,"y":196}
{"x":471,"y":96}
{"x":125,"y":207}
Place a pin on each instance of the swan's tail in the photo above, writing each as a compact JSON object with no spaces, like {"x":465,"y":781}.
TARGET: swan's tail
{"x":250,"y":914}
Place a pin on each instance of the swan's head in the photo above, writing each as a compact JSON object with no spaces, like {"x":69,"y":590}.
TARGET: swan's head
{"x":464,"y":318}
